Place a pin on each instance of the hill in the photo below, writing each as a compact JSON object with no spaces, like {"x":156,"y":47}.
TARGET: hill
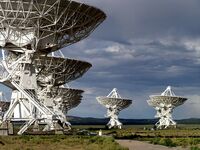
{"x":102,"y":121}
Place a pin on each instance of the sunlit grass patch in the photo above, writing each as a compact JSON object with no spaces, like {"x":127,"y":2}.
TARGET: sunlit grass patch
{"x":58,"y":142}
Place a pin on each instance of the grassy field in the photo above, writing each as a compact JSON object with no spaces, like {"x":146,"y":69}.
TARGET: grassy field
{"x":145,"y":131}
{"x":58,"y":142}
{"x":183,"y":135}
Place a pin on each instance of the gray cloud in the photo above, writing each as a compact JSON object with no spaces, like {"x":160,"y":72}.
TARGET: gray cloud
{"x":141,"y":48}
{"x":146,"y":19}
{"x":138,"y":70}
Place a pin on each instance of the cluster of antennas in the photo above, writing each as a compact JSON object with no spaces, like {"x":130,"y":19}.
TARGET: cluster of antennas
{"x":30,"y":32}
{"x":163,"y":104}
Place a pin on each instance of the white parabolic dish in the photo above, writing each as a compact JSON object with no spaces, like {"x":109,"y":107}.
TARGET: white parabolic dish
{"x":155,"y":100}
{"x":120,"y":103}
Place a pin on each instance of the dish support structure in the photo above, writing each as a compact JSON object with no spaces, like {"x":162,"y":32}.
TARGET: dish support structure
{"x":22,"y":77}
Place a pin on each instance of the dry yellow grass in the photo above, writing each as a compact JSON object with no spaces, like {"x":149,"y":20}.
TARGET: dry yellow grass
{"x":57,"y":142}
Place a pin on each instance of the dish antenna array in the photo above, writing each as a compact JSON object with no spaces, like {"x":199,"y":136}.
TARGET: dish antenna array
{"x":30,"y":32}
{"x":164,"y":105}
{"x":114,"y":104}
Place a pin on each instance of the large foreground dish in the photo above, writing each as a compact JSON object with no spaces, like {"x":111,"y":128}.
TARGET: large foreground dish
{"x":45,"y":25}
{"x":49,"y":69}
{"x":114,"y":103}
{"x":164,"y":104}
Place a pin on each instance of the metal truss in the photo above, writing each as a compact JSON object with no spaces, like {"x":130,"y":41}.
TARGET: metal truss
{"x":46,"y":25}
{"x":114,"y":104}
{"x":27,"y":97}
{"x":164,"y":105}
{"x":29,"y":31}
{"x":60,"y":100}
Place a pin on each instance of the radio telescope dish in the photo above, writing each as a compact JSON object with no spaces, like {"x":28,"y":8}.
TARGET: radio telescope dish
{"x":61,"y":100}
{"x":114,"y":104}
{"x":59,"y":70}
{"x":164,"y":105}
{"x":68,"y":98}
{"x":45,"y":25}
{"x":30,"y":31}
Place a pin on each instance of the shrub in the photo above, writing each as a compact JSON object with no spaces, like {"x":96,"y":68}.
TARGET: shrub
{"x":168,"y":142}
{"x":195,"y":148}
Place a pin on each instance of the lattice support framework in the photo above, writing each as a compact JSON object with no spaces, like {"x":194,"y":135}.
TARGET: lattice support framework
{"x":29,"y":31}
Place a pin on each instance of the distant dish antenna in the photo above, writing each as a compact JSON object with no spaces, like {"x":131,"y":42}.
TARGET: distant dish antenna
{"x":114,"y":104}
{"x":164,"y":105}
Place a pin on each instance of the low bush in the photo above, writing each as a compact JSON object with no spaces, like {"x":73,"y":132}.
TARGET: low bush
{"x":195,"y":148}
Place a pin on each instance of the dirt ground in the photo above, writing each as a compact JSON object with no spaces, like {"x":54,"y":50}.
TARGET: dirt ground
{"x":138,"y":145}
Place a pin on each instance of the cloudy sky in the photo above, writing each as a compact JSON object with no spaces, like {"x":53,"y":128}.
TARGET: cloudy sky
{"x":142,"y":47}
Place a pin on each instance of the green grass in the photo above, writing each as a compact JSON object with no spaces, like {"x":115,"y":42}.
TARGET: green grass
{"x":58,"y":142}
{"x":184,"y":135}
{"x":173,"y":142}
{"x":163,"y":141}
{"x":195,"y":148}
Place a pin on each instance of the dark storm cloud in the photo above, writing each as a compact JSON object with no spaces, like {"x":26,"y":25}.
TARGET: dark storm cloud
{"x":138,"y":70}
{"x":141,"y":48}
{"x":145,"y":19}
